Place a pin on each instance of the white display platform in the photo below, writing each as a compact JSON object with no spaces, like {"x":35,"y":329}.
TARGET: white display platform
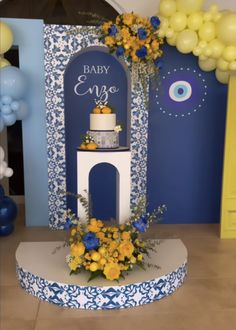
{"x":121,"y":159}
{"x":45,"y":275}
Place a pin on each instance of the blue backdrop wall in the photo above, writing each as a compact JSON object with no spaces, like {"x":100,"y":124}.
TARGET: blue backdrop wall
{"x":186,"y":140}
{"x":93,"y":75}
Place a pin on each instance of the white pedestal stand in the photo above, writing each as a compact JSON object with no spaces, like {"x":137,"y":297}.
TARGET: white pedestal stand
{"x":121,"y":160}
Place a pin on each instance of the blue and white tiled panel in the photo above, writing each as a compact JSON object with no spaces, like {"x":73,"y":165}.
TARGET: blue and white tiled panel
{"x":95,"y":298}
{"x":60,"y":45}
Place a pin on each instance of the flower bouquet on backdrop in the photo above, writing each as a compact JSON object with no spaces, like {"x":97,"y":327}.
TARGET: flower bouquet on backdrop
{"x":109,"y":251}
{"x":137,"y":39}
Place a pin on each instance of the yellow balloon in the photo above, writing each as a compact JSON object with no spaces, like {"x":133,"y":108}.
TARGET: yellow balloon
{"x":195,"y":21}
{"x":207,"y":17}
{"x":214,"y":8}
{"x":172,"y":41}
{"x":226,"y":28}
{"x":6,"y":38}
{"x":207,"y":31}
{"x":207,"y":65}
{"x":164,"y":23}
{"x":222,"y":76}
{"x":202,"y":44}
{"x":161,"y":33}
{"x":169,"y":33}
{"x":216,"y":17}
{"x":207,"y":51}
{"x":189,"y":6}
{"x":186,"y":41}
{"x":216,"y":47}
{"x":203,"y":57}
{"x":222,"y":64}
{"x":232,"y":66}
{"x":4,"y":62}
{"x":167,"y":7}
{"x":197,"y":51}
{"x":178,"y":21}
{"x":229,"y":53}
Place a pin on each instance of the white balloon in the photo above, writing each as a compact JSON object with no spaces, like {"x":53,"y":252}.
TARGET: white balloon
{"x":4,"y":169}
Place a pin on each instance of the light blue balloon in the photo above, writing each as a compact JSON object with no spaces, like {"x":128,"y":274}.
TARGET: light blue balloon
{"x":6,"y":99}
{"x":1,"y":123}
{"x":15,"y":105}
{"x":22,"y":112}
{"x":13,"y":82}
{"x":9,"y":119}
{"x":6,"y":109}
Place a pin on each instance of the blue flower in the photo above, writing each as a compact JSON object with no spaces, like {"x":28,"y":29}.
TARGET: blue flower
{"x":142,"y":33}
{"x":155,"y":21}
{"x":90,"y":241}
{"x":141,"y":224}
{"x":112,"y":31}
{"x":159,"y":63}
{"x":120,"y":51}
{"x":141,"y":52}
{"x":68,"y":224}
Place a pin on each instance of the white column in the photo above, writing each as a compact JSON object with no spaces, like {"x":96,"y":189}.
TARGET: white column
{"x":121,"y":160}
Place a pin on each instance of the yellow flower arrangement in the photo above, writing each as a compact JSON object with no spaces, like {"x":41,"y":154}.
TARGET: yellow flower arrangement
{"x":135,"y":37}
{"x":109,"y":251}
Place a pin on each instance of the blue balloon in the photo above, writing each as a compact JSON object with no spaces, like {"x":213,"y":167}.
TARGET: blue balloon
{"x":22,"y":112}
{"x":15,"y":105}
{"x":6,"y":109}
{"x":7,"y":229}
{"x":6,"y":99}
{"x":9,"y":119}
{"x":13,"y":82}
{"x":8,"y":211}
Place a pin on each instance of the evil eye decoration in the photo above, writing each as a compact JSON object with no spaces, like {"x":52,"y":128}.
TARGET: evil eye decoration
{"x":180,"y":91}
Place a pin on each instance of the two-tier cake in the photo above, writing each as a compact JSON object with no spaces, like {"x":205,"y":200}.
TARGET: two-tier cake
{"x":103,"y":131}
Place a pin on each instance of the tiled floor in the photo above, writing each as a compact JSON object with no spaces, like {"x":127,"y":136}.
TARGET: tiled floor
{"x":206,"y":301}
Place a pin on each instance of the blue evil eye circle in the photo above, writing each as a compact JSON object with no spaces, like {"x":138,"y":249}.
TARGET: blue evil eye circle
{"x":180,"y":91}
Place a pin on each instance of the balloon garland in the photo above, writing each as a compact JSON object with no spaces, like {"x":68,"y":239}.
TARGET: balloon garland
{"x":13,"y":84}
{"x":209,"y":35}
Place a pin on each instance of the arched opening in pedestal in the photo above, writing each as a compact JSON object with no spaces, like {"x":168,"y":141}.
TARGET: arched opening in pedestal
{"x":102,"y":189}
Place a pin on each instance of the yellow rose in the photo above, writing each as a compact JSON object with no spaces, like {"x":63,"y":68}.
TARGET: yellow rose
{"x":73,"y":232}
{"x":115,"y":235}
{"x":109,"y":41}
{"x":77,"y":249}
{"x":126,"y":249}
{"x":102,"y":250}
{"x":73,"y":264}
{"x":124,"y":32}
{"x":128,"y":19}
{"x":100,"y":235}
{"x":95,"y":256}
{"x":125,"y":235}
{"x":106,"y":26}
{"x":112,"y":271}
{"x":102,"y":261}
{"x":93,"y":267}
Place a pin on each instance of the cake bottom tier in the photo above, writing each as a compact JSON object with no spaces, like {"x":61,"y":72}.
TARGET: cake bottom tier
{"x":105,"y":139}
